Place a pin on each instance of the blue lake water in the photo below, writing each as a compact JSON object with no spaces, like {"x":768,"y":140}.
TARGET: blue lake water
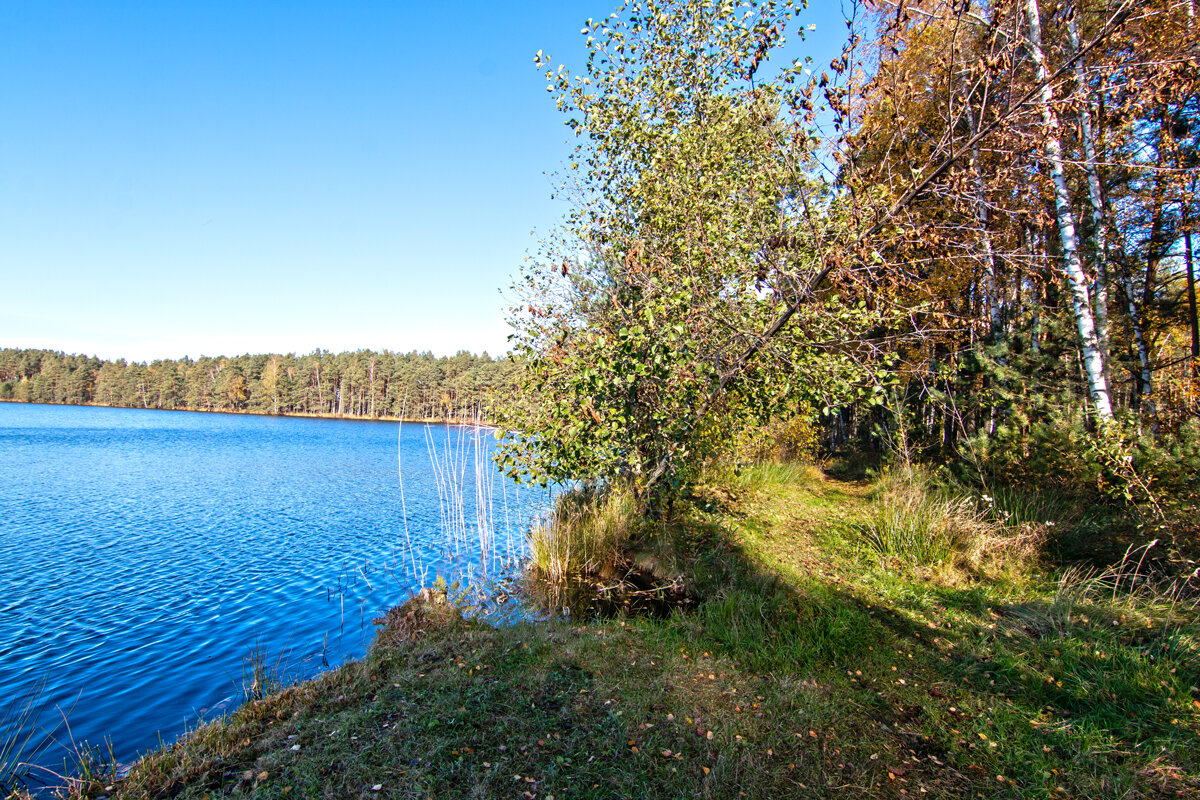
{"x":145,"y":554}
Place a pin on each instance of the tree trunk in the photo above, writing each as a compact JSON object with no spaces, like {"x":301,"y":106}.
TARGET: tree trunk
{"x":1144,"y":387}
{"x":1035,"y":294}
{"x":1093,"y":359}
{"x":994,"y":301}
{"x":1095,"y":194}
{"x":1191,"y":295}
{"x":1157,"y":244}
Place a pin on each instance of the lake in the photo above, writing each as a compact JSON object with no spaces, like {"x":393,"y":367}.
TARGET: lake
{"x":145,"y":554}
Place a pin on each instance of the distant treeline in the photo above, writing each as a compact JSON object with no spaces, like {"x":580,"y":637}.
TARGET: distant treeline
{"x":359,"y":384}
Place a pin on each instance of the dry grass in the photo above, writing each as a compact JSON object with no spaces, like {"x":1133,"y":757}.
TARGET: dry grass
{"x":586,"y":533}
{"x":914,"y":522}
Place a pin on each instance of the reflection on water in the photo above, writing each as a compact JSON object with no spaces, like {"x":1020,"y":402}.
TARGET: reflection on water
{"x":145,"y":554}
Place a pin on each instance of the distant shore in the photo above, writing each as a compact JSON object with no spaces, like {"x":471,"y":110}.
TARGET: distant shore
{"x":256,"y":413}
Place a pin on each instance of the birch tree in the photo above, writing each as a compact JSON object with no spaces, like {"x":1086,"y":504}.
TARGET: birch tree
{"x":1093,"y":356}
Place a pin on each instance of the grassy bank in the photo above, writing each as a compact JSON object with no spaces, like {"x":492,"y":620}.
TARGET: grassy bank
{"x":816,"y":661}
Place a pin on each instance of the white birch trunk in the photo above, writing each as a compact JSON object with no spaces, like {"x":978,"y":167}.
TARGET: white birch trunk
{"x":1100,"y":288}
{"x":1093,"y":359}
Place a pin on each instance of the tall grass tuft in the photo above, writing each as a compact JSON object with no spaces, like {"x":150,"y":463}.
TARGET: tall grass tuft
{"x":1016,"y":507}
{"x":912,"y":522}
{"x":754,"y":477}
{"x":907,"y":523}
{"x":584,"y":534}
{"x":21,"y":738}
{"x":259,"y":678}
{"x":1129,"y":587}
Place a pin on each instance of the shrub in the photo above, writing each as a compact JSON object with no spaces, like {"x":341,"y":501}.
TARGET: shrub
{"x":1155,"y":478}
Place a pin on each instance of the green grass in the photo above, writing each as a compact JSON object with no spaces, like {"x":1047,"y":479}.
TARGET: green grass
{"x":810,"y":667}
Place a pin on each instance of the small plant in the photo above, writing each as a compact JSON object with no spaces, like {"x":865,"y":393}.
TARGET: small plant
{"x":259,"y":678}
{"x":94,"y":768}
{"x":427,"y":610}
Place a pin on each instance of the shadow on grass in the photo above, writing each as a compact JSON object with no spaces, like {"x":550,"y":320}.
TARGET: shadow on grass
{"x":967,"y":689}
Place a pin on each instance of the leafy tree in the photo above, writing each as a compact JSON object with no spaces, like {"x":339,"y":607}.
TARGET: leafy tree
{"x":666,"y":314}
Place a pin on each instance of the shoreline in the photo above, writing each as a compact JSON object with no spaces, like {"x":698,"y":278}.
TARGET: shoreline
{"x":297,"y":414}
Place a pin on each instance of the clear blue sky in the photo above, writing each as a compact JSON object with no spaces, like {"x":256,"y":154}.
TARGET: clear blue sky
{"x":206,"y":178}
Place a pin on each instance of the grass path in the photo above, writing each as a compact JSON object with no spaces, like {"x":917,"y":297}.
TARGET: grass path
{"x":810,"y":667}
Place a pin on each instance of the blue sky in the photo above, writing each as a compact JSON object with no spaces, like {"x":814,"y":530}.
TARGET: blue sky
{"x":205,"y":178}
